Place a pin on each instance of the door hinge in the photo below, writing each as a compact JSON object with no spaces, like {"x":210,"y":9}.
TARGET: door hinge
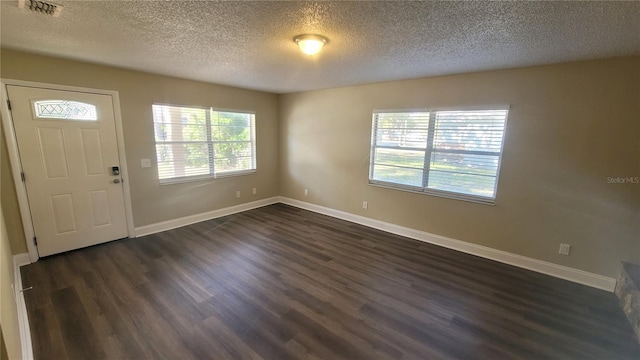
{"x":22,"y":176}
{"x":9,"y":104}
{"x":35,"y":241}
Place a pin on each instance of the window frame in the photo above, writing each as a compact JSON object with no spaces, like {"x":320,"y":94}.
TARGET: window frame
{"x":35,"y":103}
{"x":429,"y":149}
{"x":211,"y":143}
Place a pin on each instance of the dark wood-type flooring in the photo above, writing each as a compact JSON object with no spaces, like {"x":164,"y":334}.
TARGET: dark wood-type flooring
{"x":284,"y":283}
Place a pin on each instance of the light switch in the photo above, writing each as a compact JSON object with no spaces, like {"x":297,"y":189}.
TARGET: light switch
{"x":145,"y":163}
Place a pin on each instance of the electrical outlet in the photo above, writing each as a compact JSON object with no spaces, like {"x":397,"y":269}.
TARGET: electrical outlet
{"x":564,"y":249}
{"x":365,"y":205}
{"x":238,"y":194}
{"x":254,"y":191}
{"x":306,"y":192}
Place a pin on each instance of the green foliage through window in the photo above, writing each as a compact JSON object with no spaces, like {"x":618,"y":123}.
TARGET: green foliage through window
{"x":453,"y":153}
{"x":193,"y":141}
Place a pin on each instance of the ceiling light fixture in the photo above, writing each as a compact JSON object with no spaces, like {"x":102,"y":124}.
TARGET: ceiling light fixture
{"x":310,"y":44}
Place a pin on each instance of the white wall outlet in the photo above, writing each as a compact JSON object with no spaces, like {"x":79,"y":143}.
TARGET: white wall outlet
{"x":254,"y":191}
{"x":145,"y":163}
{"x":238,"y":194}
{"x":564,"y":249}
{"x":306,"y":192}
{"x":365,"y":205}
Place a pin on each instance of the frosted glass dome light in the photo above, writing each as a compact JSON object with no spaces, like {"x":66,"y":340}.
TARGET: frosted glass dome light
{"x":310,"y":44}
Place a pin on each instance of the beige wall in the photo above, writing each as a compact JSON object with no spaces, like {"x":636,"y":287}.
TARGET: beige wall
{"x":10,"y":347}
{"x":152,"y":202}
{"x":570,"y":127}
{"x":3,"y":348}
{"x":9,"y":200}
{"x":8,"y":307}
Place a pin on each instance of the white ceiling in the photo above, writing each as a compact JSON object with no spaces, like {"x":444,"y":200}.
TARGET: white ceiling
{"x":249,"y":44}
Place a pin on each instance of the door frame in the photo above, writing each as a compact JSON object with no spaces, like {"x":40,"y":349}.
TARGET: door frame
{"x":16,"y":164}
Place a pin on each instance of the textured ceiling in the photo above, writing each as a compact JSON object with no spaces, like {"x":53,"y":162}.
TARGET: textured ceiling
{"x":249,"y":44}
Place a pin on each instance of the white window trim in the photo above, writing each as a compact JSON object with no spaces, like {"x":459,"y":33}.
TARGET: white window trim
{"x":434,"y":192}
{"x":221,"y":175}
{"x":196,"y":178}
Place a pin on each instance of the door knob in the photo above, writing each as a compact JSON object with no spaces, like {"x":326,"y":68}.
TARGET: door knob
{"x":116,"y":181}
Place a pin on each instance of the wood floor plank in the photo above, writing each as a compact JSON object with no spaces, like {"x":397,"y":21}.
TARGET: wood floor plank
{"x":283,"y":283}
{"x":45,"y":329}
{"x":75,"y":324}
{"x":122,"y":327}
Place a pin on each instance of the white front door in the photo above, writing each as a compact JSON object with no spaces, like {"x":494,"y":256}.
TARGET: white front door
{"x":69,"y":154}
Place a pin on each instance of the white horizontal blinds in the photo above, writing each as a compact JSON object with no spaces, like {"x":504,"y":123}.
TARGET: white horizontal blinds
{"x":399,"y":146}
{"x":233,"y":135}
{"x":448,"y":152}
{"x":466,"y":151}
{"x":192,"y":141}
{"x":182,"y":145}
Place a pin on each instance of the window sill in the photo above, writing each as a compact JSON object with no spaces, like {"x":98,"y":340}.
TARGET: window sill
{"x":198,"y":178}
{"x":438,"y":193}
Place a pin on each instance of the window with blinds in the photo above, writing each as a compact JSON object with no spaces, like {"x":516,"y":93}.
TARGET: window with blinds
{"x":450,"y":153}
{"x":194,"y":142}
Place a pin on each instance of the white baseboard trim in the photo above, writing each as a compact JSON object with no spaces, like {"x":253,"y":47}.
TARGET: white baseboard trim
{"x":23,"y":320}
{"x":192,"y":219}
{"x":559,"y":271}
{"x":544,"y":267}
